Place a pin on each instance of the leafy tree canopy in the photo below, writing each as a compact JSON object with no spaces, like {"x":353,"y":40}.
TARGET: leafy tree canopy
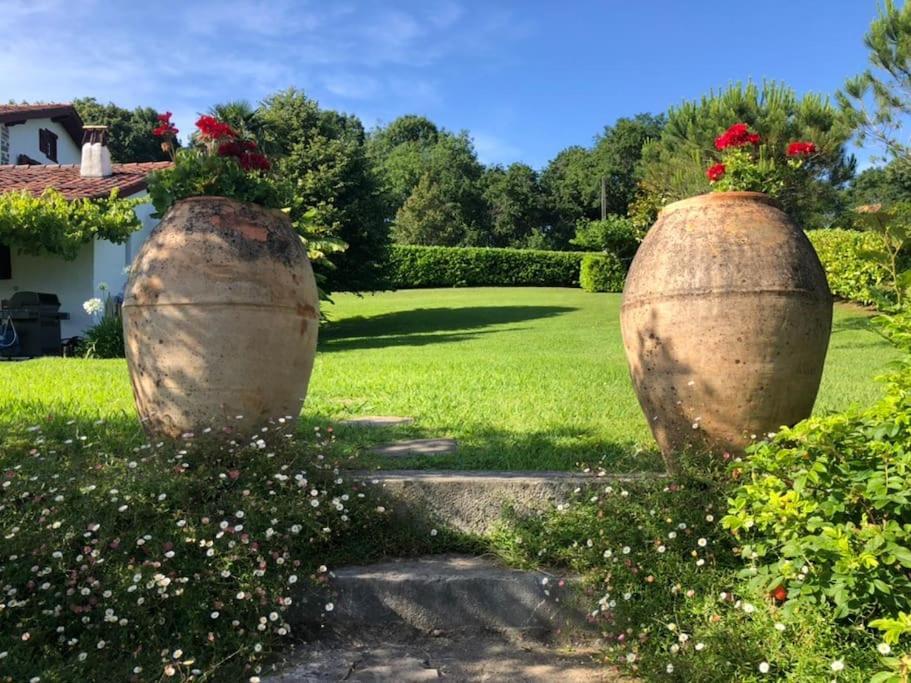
{"x":130,"y":131}
{"x":515,"y":203}
{"x":321,"y":156}
{"x":573,"y":179}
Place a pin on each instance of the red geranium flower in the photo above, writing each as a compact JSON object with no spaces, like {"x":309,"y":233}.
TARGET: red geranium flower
{"x":254,"y":161}
{"x":715,"y":172}
{"x":165,"y":128}
{"x":246,"y":153}
{"x":737,"y":135}
{"x":801,"y":149}
{"x":211,"y":128}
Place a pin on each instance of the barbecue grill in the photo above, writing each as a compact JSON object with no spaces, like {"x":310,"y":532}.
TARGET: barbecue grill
{"x":36,"y":317}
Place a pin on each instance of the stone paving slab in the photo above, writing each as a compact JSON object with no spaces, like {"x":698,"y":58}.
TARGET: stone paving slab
{"x":457,"y":593}
{"x":473,"y":501}
{"x":386,"y":657}
{"x":377,"y":421}
{"x":412,"y":447}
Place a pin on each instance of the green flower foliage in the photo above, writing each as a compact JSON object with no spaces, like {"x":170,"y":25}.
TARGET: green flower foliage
{"x":602,"y":273}
{"x":851,"y":272}
{"x":53,"y":224}
{"x":413,"y":266}
{"x":824,"y":508}
{"x":196,"y":174}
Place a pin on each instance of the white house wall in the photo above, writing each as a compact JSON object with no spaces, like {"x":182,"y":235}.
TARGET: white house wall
{"x":23,"y":139}
{"x":76,"y":281}
{"x":71,"y":281}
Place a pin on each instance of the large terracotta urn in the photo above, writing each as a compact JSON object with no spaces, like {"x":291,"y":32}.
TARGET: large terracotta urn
{"x":220,"y":318}
{"x":726,"y":319}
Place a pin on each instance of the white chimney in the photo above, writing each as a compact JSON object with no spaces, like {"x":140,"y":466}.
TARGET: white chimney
{"x":96,"y":158}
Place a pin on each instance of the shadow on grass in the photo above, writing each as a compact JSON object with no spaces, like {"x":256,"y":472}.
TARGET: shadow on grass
{"x":422,"y":326}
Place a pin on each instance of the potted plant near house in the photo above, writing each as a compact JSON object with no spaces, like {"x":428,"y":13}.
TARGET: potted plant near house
{"x":221,"y":308}
{"x":726,"y":310}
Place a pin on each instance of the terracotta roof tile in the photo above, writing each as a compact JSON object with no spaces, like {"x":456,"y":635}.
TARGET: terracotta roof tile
{"x":32,"y":108}
{"x":128,"y":178}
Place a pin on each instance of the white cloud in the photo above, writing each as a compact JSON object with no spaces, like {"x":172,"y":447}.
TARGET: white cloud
{"x":379,"y":58}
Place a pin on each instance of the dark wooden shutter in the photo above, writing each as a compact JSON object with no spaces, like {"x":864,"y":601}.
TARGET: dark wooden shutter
{"x":47,"y":143}
{"x":6,"y":263}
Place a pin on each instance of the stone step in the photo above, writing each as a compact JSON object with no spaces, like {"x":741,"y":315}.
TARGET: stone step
{"x":455,"y":595}
{"x":411,"y":447}
{"x":377,"y":421}
{"x":472,"y":501}
{"x":383,"y":657}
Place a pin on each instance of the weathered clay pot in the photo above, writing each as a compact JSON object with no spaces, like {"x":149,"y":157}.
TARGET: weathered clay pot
{"x":726,"y":319}
{"x":220,"y":319}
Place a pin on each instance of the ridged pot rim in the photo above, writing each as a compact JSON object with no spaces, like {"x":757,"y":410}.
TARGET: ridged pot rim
{"x":713,"y":197}
{"x":221,"y":199}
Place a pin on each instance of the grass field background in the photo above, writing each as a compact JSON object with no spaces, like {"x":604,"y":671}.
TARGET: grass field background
{"x":524,"y":378}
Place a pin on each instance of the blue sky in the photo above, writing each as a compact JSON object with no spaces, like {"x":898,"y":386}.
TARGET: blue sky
{"x":526,"y":79}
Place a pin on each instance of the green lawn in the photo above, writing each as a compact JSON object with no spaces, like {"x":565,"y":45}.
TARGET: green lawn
{"x":524,"y":378}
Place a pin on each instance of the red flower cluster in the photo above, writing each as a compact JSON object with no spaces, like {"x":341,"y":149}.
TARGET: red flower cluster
{"x":737,"y":135}
{"x":165,"y":128}
{"x":246,"y":153}
{"x":715,"y":172}
{"x":801,"y":149}
{"x":211,"y":128}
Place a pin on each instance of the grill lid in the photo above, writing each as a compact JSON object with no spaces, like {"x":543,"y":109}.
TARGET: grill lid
{"x":33,"y":300}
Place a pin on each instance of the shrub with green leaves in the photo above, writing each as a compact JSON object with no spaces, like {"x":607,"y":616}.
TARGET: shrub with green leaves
{"x":660,"y":577}
{"x":852,"y":273}
{"x":413,"y":266}
{"x":616,"y":234}
{"x":601,"y":273}
{"x":824,"y":509}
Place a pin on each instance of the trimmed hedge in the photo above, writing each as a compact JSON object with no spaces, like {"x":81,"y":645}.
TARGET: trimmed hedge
{"x":413,"y":267}
{"x":852,"y":275}
{"x":601,"y":273}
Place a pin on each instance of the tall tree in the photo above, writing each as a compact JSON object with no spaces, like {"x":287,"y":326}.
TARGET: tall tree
{"x":515,"y":203}
{"x":673,"y":166}
{"x":616,"y":156}
{"x":573,"y":180}
{"x":426,"y":216}
{"x":412,"y":147}
{"x":879,"y":100}
{"x":130,"y":131}
{"x":322,"y":157}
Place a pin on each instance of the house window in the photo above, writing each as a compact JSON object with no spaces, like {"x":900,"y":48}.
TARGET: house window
{"x":47,"y":143}
{"x":6,"y":263}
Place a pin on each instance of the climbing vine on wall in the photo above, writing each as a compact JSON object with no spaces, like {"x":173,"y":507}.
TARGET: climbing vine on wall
{"x":50,"y":223}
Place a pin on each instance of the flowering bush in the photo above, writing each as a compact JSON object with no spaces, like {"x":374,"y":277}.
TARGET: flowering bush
{"x":747,"y":164}
{"x":104,"y":339}
{"x":661,"y":578}
{"x":220,"y":164}
{"x":123,"y":560}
